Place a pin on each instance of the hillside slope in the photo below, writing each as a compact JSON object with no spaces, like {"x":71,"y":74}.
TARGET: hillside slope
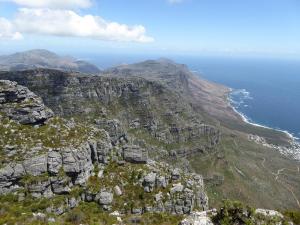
{"x":162,"y":107}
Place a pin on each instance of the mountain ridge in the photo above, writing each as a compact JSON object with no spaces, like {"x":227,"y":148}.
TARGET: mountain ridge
{"x":149,"y":115}
{"x":41,"y":58}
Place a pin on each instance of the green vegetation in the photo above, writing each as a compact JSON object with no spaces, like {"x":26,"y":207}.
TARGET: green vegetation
{"x":243,"y":170}
{"x":294,"y":216}
{"x":18,"y":140}
{"x":233,"y":212}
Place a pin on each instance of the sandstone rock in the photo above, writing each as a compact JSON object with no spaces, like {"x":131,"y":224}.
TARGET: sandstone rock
{"x":161,"y":182}
{"x":22,"y":105}
{"x":118,"y":190}
{"x":269,"y":213}
{"x":176,"y":188}
{"x":158,"y":197}
{"x":114,"y":128}
{"x":36,"y":166}
{"x":175,"y":174}
{"x":149,"y":182}
{"x":105,"y":198}
{"x":138,"y":211}
{"x":135,"y":154}
{"x":100,"y":173}
{"x":60,"y":185}
{"x":197,"y":218}
{"x":54,"y":162}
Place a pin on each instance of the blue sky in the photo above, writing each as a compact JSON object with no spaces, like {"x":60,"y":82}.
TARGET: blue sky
{"x":231,"y":27}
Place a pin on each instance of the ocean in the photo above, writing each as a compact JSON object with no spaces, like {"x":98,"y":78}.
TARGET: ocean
{"x":265,"y":91}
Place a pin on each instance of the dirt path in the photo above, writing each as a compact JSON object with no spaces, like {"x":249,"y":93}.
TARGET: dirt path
{"x":284,"y":184}
{"x":290,"y":189}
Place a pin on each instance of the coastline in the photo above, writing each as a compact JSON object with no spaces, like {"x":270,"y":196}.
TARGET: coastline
{"x":246,"y":120}
{"x":293,"y":151}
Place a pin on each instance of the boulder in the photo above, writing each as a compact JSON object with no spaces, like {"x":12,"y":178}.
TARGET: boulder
{"x":175,"y":174}
{"x":149,"y":182}
{"x":118,"y":190}
{"x":197,"y":218}
{"x":176,"y":188}
{"x":105,"y":198}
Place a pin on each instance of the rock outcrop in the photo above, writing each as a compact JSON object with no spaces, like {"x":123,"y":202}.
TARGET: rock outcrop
{"x":22,"y":105}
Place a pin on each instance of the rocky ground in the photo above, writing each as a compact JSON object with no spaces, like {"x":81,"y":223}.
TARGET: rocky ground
{"x":126,"y":149}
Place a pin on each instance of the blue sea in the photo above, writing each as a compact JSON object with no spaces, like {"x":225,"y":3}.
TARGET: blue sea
{"x":265,"y":91}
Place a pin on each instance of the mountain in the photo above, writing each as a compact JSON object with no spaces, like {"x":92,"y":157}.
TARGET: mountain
{"x":142,"y":141}
{"x":207,"y":98}
{"x":44,"y":59}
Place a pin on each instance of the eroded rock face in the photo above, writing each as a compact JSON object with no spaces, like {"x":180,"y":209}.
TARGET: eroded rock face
{"x":135,"y":154}
{"x":22,"y":105}
{"x":57,"y":170}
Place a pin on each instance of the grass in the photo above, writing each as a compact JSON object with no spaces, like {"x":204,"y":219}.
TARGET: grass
{"x":55,"y":134}
{"x":248,"y":170}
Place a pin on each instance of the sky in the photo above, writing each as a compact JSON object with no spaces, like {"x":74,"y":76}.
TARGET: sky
{"x":192,"y":27}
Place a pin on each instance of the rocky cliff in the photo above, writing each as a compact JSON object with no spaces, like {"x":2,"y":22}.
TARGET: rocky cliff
{"x":68,"y":162}
{"x":131,"y":142}
{"x":145,"y":107}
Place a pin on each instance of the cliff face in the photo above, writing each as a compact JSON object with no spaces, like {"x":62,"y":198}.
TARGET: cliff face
{"x":154,"y":110}
{"x":68,"y":162}
{"x":22,"y":105}
{"x":143,"y":106}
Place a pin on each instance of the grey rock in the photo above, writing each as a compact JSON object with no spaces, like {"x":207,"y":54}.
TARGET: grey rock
{"x":60,"y":185}
{"x":161,"y":182}
{"x":36,"y":166}
{"x":72,"y":203}
{"x":38,"y":188}
{"x":105,"y":198}
{"x":114,"y":129}
{"x":9,"y":177}
{"x":158,"y":197}
{"x":178,"y":209}
{"x":70,"y":163}
{"x":176,"y":188}
{"x":118,"y":190}
{"x":54,"y":162}
{"x":175,"y":174}
{"x":22,"y":105}
{"x":138,"y":211}
{"x":100,"y":173}
{"x":148,"y":209}
{"x":149,"y":182}
{"x":135,"y":154}
{"x":59,"y":210}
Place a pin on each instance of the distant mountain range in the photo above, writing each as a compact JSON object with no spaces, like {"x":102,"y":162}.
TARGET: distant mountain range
{"x":40,"y":58}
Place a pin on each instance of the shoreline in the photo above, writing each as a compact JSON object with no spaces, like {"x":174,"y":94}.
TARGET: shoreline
{"x":292,"y":152}
{"x":246,"y":120}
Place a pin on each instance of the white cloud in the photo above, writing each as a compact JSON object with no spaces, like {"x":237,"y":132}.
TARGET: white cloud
{"x":53,"y":4}
{"x":69,"y":23}
{"x":7,"y":30}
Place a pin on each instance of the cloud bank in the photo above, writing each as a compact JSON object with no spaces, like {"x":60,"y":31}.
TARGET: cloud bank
{"x":51,"y":17}
{"x":7,"y":30}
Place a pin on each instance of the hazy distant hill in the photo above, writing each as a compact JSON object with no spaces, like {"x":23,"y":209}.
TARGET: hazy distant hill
{"x":40,"y":58}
